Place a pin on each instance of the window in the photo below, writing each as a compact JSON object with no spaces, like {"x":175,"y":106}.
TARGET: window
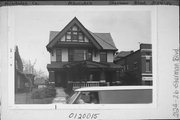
{"x":127,"y":67}
{"x":148,"y":83}
{"x":75,"y":35}
{"x":81,"y":37}
{"x":103,"y":57}
{"x":77,"y":55}
{"x":135,"y":65}
{"x":74,"y":28}
{"x":148,"y":53}
{"x":148,"y":67}
{"x":89,"y":56}
{"x":58,"y":55}
{"x":87,"y":98}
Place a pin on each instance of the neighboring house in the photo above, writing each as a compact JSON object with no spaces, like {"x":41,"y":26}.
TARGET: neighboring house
{"x":22,"y":82}
{"x":121,"y":54}
{"x":137,"y":66}
{"x":80,"y":56}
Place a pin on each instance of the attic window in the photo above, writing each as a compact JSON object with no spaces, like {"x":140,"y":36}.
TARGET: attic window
{"x":75,"y":35}
{"x":74,"y":28}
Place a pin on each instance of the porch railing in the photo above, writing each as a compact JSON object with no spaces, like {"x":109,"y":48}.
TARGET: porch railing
{"x":76,"y":85}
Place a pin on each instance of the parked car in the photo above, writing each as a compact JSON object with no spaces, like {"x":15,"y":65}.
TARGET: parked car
{"x":112,"y":95}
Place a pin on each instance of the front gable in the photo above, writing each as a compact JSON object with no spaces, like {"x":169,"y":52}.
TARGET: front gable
{"x":73,"y":32}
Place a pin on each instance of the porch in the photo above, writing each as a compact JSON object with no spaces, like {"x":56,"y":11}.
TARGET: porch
{"x":76,"y":85}
{"x":83,"y":74}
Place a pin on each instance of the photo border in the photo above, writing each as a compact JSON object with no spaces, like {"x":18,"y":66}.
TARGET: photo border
{"x":11,"y":81}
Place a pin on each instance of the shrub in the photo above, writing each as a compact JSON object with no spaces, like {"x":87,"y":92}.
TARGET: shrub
{"x":44,"y":93}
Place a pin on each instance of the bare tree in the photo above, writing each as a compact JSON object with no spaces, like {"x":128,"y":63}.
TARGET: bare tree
{"x":28,"y":66}
{"x":30,"y":69}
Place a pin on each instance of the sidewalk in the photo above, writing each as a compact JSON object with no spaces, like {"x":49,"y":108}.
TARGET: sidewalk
{"x":60,"y":96}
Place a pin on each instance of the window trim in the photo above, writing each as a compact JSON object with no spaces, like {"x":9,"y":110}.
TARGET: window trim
{"x":71,"y":54}
{"x":149,"y":65}
{"x":57,"y":60}
{"x":135,"y":65}
{"x":103,"y":53}
{"x":71,"y":33}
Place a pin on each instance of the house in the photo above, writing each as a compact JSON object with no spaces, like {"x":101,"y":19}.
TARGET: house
{"x":121,"y":54}
{"x":22,"y":81}
{"x":81,"y":57}
{"x":137,"y":66}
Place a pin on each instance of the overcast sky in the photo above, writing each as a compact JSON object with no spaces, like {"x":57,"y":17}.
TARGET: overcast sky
{"x":32,"y":27}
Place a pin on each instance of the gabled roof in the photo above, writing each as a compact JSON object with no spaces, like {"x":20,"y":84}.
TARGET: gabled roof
{"x":105,"y":40}
{"x":102,"y":41}
{"x":66,"y":28}
{"x":18,"y":60}
{"x":52,"y":35}
{"x":122,"y":54}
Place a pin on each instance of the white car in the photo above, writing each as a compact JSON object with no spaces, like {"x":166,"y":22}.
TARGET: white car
{"x":112,"y":95}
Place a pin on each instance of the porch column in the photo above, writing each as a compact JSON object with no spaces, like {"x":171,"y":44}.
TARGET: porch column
{"x":117,"y":75}
{"x":52,"y":76}
{"x":102,"y":79}
{"x":102,"y":76}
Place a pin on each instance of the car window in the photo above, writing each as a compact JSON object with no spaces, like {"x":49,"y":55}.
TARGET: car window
{"x":71,"y":99}
{"x":83,"y":98}
{"x":94,"y":97}
{"x":125,"y":96}
{"x":87,"y":98}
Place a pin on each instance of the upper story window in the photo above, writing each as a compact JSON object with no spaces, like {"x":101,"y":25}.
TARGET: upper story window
{"x":148,"y":53}
{"x":135,"y":65}
{"x":127,"y":67}
{"x":74,"y":34}
{"x":89,"y":55}
{"x":148,"y":66}
{"x":103,"y":57}
{"x":79,"y":55}
{"x":58,"y":55}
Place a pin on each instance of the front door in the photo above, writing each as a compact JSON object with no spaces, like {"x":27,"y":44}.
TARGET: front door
{"x":60,"y":79}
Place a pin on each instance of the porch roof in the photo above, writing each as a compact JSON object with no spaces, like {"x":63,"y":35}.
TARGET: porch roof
{"x":87,"y":64}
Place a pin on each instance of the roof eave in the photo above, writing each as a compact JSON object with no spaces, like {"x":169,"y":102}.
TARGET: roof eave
{"x":73,"y":21}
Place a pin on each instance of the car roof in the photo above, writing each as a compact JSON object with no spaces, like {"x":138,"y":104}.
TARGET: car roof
{"x":104,"y":88}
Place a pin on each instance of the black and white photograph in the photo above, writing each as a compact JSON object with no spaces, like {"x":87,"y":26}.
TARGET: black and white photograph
{"x":82,"y":56}
{"x":89,"y":62}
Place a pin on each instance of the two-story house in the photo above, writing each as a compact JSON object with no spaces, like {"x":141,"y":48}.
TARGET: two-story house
{"x":79,"y":55}
{"x":137,"y":66}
